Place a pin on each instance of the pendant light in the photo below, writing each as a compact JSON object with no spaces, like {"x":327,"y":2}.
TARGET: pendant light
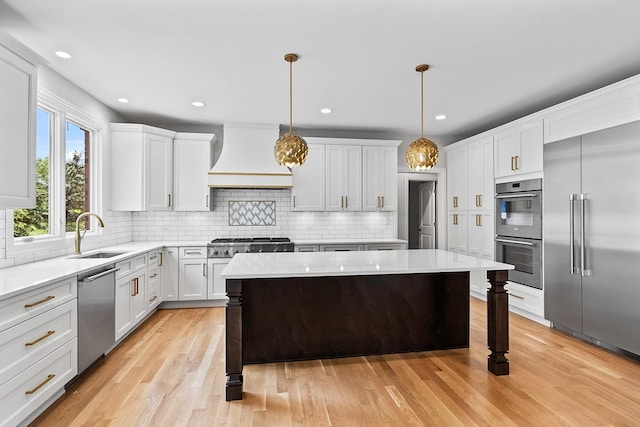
{"x":290,"y":150}
{"x":422,"y":154}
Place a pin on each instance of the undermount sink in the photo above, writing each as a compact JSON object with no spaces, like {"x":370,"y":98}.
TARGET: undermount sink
{"x":99,"y":255}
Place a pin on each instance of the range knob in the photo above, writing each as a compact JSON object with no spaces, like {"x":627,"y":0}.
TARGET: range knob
{"x":247,"y":250}
{"x":226,"y":252}
{"x":215,"y":253}
{"x":260,"y":250}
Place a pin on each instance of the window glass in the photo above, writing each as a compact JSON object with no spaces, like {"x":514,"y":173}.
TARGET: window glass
{"x":77,"y":143}
{"x":36,"y":222}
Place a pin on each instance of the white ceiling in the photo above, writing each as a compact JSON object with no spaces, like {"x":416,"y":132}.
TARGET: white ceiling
{"x":491,"y":61}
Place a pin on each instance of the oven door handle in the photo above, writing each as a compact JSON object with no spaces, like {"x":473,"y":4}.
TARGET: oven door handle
{"x":516,"y":242}
{"x":515,"y":196}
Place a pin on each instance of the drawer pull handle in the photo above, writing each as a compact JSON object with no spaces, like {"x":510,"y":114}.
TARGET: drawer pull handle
{"x":39,"y":386}
{"x":48,"y":334}
{"x":153,"y":299}
{"x":515,"y":296}
{"x":153,"y":276}
{"x":42,"y":301}
{"x":160,"y":265}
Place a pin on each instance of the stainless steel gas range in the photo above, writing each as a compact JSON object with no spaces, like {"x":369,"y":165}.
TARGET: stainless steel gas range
{"x":228,"y":247}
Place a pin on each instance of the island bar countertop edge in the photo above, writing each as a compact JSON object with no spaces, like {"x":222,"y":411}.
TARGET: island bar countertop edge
{"x":318,"y":264}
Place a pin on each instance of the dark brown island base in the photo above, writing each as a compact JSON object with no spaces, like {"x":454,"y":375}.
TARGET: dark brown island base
{"x":300,"y":306}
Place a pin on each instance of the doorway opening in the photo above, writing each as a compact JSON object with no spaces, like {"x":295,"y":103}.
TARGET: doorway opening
{"x":422,"y":230}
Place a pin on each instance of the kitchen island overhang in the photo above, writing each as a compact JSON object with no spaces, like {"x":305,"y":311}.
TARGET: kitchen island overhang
{"x":299,"y":306}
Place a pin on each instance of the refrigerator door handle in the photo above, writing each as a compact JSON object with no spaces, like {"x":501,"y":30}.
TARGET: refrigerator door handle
{"x":583,"y":255}
{"x":572,"y":266}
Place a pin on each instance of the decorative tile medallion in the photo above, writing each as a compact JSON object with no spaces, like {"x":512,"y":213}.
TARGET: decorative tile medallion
{"x":252,"y":213}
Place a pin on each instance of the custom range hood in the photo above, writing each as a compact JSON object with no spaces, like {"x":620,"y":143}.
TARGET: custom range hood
{"x":247,"y":159}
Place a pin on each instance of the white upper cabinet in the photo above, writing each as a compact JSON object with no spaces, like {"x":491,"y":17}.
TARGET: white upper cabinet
{"x":308,"y":192}
{"x":604,"y":108}
{"x":480,"y":183}
{"x":17,"y":131}
{"x":518,"y":150}
{"x":380,"y":169}
{"x":457,"y":178}
{"x":191,"y":164}
{"x":343,"y":177}
{"x":141,"y":167}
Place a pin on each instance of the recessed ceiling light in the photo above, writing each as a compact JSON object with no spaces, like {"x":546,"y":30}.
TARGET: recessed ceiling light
{"x":326,"y":110}
{"x":123,"y":100}
{"x":198,"y":104}
{"x":63,"y":54}
{"x":441,"y":117}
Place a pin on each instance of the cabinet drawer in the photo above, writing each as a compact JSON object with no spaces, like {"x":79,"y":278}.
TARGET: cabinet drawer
{"x":307,"y":248}
{"x":24,"y":393}
{"x":193,"y":252}
{"x":384,"y":247}
{"x":155,"y":258}
{"x":526,"y":298}
{"x":25,"y":306}
{"x":131,"y":265}
{"x":153,"y":275}
{"x":340,"y":248}
{"x":28,"y":342}
{"x":153,"y":296}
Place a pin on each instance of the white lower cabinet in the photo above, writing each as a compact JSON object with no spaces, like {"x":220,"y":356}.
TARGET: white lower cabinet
{"x":27,"y":391}
{"x":38,"y":348}
{"x":170,"y":273}
{"x":154,"y":279}
{"x":192,"y":273}
{"x":526,"y":300}
{"x":131,"y":295}
{"x":457,"y":232}
{"x":217,"y":285}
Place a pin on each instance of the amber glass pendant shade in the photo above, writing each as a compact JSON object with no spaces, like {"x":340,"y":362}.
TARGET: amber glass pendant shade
{"x":290,"y":149}
{"x":422,"y":154}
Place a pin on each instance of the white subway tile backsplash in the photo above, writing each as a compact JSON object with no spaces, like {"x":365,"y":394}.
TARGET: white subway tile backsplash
{"x":185,"y":226}
{"x":123,"y":227}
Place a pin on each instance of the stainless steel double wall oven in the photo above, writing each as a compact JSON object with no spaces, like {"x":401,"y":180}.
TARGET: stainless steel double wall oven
{"x":519,"y":230}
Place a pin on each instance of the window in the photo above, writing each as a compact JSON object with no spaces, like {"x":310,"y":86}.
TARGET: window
{"x":35,"y":222}
{"x":66,"y":177}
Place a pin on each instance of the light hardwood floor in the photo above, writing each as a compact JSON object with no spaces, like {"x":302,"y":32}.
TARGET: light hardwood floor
{"x":170,"y":372}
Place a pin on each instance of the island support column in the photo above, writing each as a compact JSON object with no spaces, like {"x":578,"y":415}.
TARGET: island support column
{"x":234,"y":340}
{"x":498,"y":322}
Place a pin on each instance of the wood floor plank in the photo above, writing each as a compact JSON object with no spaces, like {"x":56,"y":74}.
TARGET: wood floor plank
{"x":171,"y":372}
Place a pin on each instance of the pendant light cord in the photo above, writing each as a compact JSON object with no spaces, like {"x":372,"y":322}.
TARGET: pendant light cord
{"x":290,"y":97}
{"x":421,"y":104}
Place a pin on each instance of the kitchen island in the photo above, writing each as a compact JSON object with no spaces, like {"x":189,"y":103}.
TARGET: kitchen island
{"x":300,"y":306}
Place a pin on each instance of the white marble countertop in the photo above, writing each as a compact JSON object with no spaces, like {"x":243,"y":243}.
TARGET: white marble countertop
{"x":25,"y":277}
{"x":310,"y":264}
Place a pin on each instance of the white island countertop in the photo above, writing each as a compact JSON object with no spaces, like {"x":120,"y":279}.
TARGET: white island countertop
{"x":317,"y":264}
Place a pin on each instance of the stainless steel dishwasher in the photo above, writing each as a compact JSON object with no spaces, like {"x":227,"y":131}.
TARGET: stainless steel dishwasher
{"x":96,"y":315}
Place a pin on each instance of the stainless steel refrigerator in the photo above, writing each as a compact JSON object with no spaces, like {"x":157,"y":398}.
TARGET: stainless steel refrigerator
{"x":591,"y":233}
